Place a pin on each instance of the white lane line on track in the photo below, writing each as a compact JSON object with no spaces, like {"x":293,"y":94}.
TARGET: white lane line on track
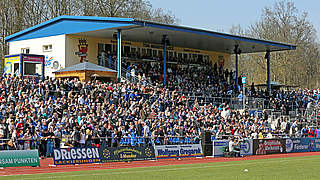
{"x":154,"y":170}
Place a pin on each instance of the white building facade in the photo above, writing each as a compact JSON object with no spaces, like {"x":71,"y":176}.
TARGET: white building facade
{"x":53,"y":48}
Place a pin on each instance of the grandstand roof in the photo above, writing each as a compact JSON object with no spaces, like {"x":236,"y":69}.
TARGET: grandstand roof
{"x":148,"y":32}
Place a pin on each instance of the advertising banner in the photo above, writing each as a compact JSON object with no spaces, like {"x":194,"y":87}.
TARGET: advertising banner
{"x":316,"y":145}
{"x":16,"y":158}
{"x":76,"y":156}
{"x":302,"y":145}
{"x":299,"y":145}
{"x":246,"y":147}
{"x":115,"y":154}
{"x":9,"y":62}
{"x":32,"y":58}
{"x":178,"y":151}
{"x":269,"y":146}
{"x":219,"y":147}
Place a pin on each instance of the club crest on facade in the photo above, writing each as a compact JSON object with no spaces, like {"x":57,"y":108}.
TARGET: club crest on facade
{"x":83,"y":49}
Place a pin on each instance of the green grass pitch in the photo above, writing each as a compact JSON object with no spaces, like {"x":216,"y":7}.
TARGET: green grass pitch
{"x":293,"y":168}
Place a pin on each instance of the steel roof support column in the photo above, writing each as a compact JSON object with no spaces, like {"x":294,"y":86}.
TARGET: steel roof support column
{"x":43,"y":68}
{"x":119,"y":56}
{"x":109,"y":61}
{"x":237,"y":51}
{"x":267,"y":56}
{"x":164,"y":59}
{"x":237,"y":70}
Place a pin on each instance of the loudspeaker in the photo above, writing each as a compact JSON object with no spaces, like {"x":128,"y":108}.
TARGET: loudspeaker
{"x":206,"y":143}
{"x":206,"y":137}
{"x":207,"y":150}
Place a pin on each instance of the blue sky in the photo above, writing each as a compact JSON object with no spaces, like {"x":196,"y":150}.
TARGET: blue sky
{"x":220,"y":15}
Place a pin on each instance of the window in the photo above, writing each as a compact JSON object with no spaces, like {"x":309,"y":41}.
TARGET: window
{"x":126,"y":50}
{"x":200,"y":58}
{"x":100,"y":48}
{"x":16,"y":68}
{"x":144,"y":52}
{"x":206,"y":59}
{"x":47,"y":48}
{"x":154,"y":52}
{"x":31,"y":68}
{"x":108,"y":47}
{"x":138,"y":52}
{"x":149,"y":53}
{"x":114,"y":48}
{"x":160,"y":53}
{"x":25,"y":50}
{"x":185,"y":56}
{"x":195,"y":56}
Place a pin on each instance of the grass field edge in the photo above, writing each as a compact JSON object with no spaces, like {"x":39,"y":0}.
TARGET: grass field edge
{"x":162,"y":168}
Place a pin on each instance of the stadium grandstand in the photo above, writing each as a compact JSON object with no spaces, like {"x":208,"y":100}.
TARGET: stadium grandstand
{"x":175,"y":85}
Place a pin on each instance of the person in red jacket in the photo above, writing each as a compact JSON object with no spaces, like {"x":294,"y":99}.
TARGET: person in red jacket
{"x":311,"y":132}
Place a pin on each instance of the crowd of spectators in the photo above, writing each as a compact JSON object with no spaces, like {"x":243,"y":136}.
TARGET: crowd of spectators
{"x":47,"y":113}
{"x":204,"y":79}
{"x":216,"y":83}
{"x":198,"y":79}
{"x":41,"y":113}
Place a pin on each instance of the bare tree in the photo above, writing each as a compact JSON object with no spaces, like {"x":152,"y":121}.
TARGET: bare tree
{"x":140,"y":9}
{"x":17,"y":15}
{"x":7,"y":13}
{"x":283,"y":22}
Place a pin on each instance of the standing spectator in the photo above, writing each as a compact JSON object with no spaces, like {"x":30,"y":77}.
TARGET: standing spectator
{"x":57,"y":137}
{"x":27,"y":137}
{"x":82,"y":138}
{"x":2,"y":142}
{"x":96,"y":136}
{"x":88,"y":137}
{"x":114,"y":137}
{"x":75,"y":137}
{"x":50,"y":142}
{"x":240,"y":100}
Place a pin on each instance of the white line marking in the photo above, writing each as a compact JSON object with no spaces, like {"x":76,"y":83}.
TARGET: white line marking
{"x":156,"y":170}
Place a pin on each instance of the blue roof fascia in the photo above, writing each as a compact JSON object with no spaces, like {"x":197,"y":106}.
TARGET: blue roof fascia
{"x":214,"y":34}
{"x":13,"y":55}
{"x":124,"y":21}
{"x":96,"y":18}
{"x":75,"y":24}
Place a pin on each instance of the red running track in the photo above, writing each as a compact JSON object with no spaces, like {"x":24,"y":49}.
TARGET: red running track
{"x":45,"y":168}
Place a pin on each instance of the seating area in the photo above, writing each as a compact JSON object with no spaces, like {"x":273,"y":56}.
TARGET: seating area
{"x":37,"y":114}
